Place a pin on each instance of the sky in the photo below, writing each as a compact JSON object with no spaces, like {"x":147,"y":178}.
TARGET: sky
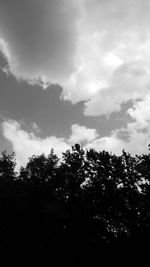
{"x":74,"y":72}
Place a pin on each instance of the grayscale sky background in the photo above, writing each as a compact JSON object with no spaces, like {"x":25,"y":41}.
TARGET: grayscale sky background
{"x":74,"y":72}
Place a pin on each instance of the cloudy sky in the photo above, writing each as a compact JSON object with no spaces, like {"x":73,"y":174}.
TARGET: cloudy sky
{"x":74,"y":71}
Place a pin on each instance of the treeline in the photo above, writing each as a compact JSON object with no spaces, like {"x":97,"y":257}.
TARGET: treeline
{"x":87,"y":201}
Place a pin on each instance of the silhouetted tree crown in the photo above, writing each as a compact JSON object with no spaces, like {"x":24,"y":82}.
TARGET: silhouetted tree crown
{"x":90,"y":198}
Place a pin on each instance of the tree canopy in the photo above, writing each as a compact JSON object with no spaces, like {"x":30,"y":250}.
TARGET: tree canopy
{"x":87,"y":199}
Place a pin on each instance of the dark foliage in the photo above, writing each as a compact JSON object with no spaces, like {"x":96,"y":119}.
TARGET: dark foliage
{"x":89,"y":202}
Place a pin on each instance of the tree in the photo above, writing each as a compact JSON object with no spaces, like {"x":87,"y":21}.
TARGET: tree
{"x":7,"y":166}
{"x":40,"y":169}
{"x":88,"y":198}
{"x":72,"y":173}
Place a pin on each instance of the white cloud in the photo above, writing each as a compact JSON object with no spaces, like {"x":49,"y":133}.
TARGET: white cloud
{"x":140,"y":112}
{"x":137,"y":143}
{"x":108,"y":143}
{"x":137,"y":132}
{"x":27,"y":144}
{"x":113,"y":58}
{"x":82,"y":134}
{"x":129,"y":82}
{"x":98,"y":51}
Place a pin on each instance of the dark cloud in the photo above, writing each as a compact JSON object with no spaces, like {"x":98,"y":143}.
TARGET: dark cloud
{"x":27,"y":103}
{"x":41,"y":36}
{"x":3,"y":61}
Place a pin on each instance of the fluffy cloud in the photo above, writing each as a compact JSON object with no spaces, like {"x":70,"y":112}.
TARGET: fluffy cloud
{"x":129,"y":82}
{"x":135,"y":136}
{"x":108,"y":143}
{"x":137,"y":144}
{"x":140,"y":112}
{"x":82,"y":134}
{"x":98,"y":51}
{"x":27,"y":144}
{"x":113,"y":58}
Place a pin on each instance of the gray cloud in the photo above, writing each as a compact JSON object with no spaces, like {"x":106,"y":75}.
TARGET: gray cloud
{"x":98,"y":51}
{"x":41,"y":37}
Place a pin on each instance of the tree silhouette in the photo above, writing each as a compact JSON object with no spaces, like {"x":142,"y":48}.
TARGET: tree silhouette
{"x":87,"y":201}
{"x":7,"y":166}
